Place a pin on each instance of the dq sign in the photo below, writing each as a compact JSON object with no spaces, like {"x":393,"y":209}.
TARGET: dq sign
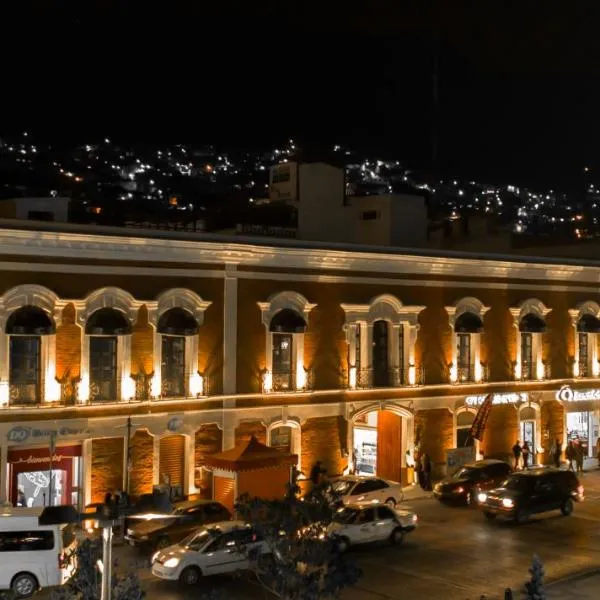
{"x":568,"y":394}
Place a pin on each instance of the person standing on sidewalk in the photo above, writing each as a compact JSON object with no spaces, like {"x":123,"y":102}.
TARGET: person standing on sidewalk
{"x":557,"y":453}
{"x":525,"y":452}
{"x":570,"y":453}
{"x":516,"y":449}
{"x":579,"y":456}
{"x":426,"y":472}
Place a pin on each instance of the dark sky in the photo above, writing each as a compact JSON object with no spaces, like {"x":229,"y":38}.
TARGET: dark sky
{"x":518,"y":81}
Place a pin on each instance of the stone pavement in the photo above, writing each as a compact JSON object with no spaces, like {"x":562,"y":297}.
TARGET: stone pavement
{"x":583,"y":587}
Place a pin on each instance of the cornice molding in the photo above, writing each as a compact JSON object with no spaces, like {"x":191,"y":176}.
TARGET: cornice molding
{"x":107,"y":247}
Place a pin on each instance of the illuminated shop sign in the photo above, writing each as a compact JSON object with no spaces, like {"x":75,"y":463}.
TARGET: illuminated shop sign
{"x":22,"y":434}
{"x":509,"y":398}
{"x":568,"y":394}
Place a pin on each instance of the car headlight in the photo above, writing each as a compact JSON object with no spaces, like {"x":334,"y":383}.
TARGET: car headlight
{"x":155,"y":557}
{"x":415,"y":518}
{"x":171,"y":562}
{"x":507,"y":502}
{"x":481,"y":497}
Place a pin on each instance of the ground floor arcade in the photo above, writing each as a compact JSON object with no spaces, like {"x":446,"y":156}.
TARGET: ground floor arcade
{"x":79,"y":460}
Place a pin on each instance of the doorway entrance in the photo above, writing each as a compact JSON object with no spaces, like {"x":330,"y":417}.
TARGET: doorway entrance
{"x":379,"y":444}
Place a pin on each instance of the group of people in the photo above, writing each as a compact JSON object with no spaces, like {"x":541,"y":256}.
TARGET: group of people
{"x":521,"y":455}
{"x":575,"y":453}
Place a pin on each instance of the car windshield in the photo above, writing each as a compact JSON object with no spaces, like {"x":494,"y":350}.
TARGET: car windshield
{"x":519,"y":483}
{"x":342,"y":487}
{"x":465,"y":473}
{"x":345,"y":515}
{"x":196,"y":540}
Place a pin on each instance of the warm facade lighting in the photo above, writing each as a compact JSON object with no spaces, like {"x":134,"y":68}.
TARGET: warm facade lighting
{"x":453,"y":373}
{"x":51,"y":388}
{"x":127,"y":389}
{"x":517,"y":370}
{"x":155,"y":387}
{"x":196,"y":385}
{"x":84,"y":388}
{"x":300,"y":378}
{"x":575,"y":368}
{"x":352,"y":378}
{"x":267,"y":381}
{"x":478,"y":371}
{"x":3,"y":393}
{"x":540,"y":370}
{"x":596,"y":368}
{"x":412,"y":375}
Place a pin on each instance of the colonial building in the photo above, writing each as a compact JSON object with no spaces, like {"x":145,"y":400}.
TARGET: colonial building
{"x":344,"y":354}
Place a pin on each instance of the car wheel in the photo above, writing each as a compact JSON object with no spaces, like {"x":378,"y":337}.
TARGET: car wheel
{"x":163,"y":542}
{"x":24,"y":585}
{"x":391,"y":502}
{"x":567,"y":508}
{"x":521,"y":516}
{"x":489,"y":516}
{"x":190,"y":576}
{"x":397,"y":536}
{"x":343,"y":544}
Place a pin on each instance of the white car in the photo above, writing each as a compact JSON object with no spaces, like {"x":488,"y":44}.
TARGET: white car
{"x":215,"y":549}
{"x":354,"y":488}
{"x":364,"y":523}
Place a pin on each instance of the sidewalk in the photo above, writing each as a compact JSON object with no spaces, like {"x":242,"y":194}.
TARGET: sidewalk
{"x":581,"y":587}
{"x":415,"y":492}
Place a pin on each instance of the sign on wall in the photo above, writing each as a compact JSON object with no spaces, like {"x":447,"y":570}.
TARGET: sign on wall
{"x":508,"y":398}
{"x":568,"y":394}
{"x":22,"y":434}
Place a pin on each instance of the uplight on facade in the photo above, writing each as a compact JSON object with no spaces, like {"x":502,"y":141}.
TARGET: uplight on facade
{"x":352,"y":378}
{"x":196,"y":385}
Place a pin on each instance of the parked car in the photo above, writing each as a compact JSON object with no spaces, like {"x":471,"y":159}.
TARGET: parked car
{"x":217,"y":549}
{"x":367,"y":522}
{"x":33,"y":556}
{"x":464,"y":485}
{"x":534,"y":491}
{"x":156,"y":531}
{"x":351,"y":489}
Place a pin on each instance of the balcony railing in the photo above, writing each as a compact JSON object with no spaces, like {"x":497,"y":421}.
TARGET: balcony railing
{"x":394,"y":377}
{"x":24,"y":394}
{"x":286,"y":381}
{"x":471,"y":374}
{"x":529,"y":371}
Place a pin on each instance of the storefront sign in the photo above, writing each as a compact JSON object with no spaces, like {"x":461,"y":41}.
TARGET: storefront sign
{"x":23,"y":434}
{"x":509,"y":398}
{"x":35,"y":460}
{"x":568,"y":394}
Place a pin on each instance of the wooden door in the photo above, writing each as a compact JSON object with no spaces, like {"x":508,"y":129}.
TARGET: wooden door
{"x":389,"y":445}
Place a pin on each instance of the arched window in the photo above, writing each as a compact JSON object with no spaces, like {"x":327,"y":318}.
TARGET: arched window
{"x":381,"y":338}
{"x":25,"y":328}
{"x":103,"y":328}
{"x":466,"y":321}
{"x":286,"y":436}
{"x":530,"y":322}
{"x":464,"y":421}
{"x":586,"y":321}
{"x":175,"y":326}
{"x":285,"y":317}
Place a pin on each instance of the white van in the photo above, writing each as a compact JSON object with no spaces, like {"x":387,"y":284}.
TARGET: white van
{"x":32,"y":556}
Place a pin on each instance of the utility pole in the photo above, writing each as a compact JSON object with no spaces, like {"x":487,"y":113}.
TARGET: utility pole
{"x":52,"y":449}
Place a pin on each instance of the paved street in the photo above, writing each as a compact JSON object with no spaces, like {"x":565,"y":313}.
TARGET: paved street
{"x":454,"y":555}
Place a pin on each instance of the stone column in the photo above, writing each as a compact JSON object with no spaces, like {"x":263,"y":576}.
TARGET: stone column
{"x":156,"y":460}
{"x":86,"y":451}
{"x":230,"y":332}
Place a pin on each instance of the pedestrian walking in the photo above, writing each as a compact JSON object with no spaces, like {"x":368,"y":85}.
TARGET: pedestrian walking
{"x":570,"y":453}
{"x":316,"y":473}
{"x":516,"y":449}
{"x":426,"y":472}
{"x":419,"y":470}
{"x":557,"y":453}
{"x":579,"y":456}
{"x":525,"y":452}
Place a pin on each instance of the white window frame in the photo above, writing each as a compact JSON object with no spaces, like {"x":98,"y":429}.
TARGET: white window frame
{"x":196,"y":306}
{"x":382,"y":308}
{"x":586,"y":308}
{"x":539,"y":309}
{"x":296,"y":436}
{"x":277,"y":302}
{"x":539,"y":449}
{"x":124,"y":302}
{"x":472,"y":305}
{"x":45,"y":299}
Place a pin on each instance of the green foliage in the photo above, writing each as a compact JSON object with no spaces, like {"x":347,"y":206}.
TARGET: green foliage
{"x":303,"y":563}
{"x":86,"y":582}
{"x":534,"y":588}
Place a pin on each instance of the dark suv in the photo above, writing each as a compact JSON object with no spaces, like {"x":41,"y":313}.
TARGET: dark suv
{"x":534,"y":491}
{"x":164,"y":530}
{"x":464,"y":486}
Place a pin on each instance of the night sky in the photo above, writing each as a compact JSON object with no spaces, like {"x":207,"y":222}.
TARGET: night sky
{"x":519,"y":91}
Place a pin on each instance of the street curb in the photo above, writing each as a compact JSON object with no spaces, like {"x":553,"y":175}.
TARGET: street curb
{"x":585,"y":574}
